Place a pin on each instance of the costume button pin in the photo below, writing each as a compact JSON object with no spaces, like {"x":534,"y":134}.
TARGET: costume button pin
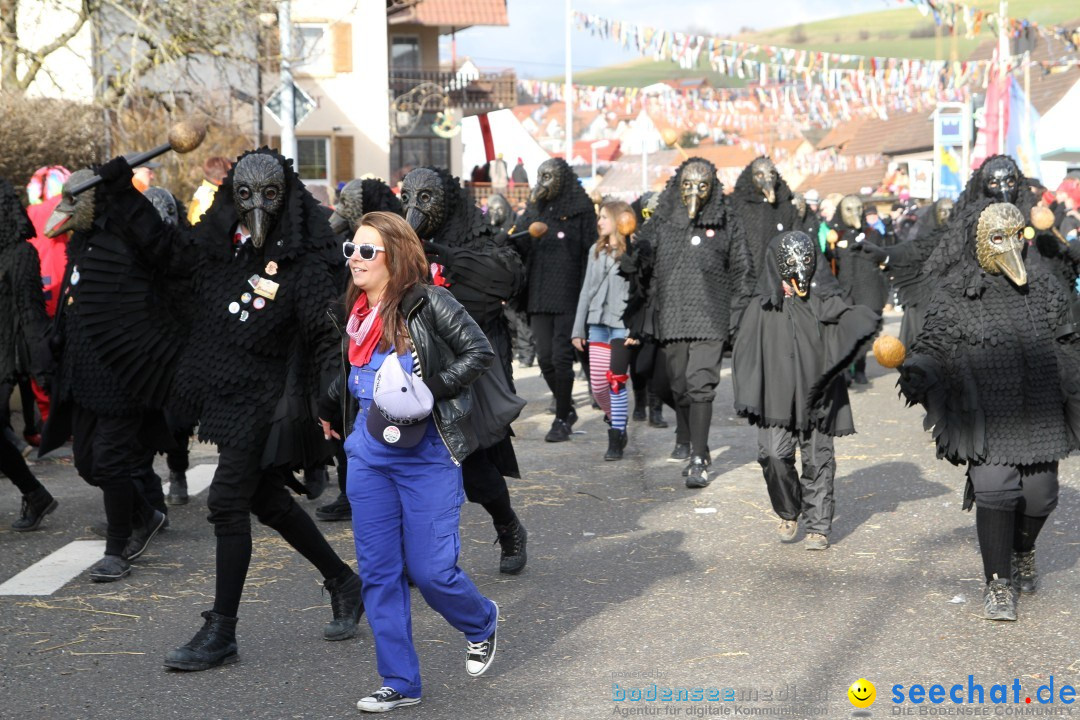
{"x":245,"y":298}
{"x":259,"y":303}
{"x":696,"y":240}
{"x":710,"y":232}
{"x":234,"y":307}
{"x":560,"y":234}
{"x":780,"y":227}
{"x":244,"y":316}
{"x":75,"y":276}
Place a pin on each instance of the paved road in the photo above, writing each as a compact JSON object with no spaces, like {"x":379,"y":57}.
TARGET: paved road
{"x":632,"y":580}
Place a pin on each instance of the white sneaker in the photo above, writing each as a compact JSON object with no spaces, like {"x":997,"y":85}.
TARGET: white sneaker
{"x":478,"y":655}
{"x":383,"y":700}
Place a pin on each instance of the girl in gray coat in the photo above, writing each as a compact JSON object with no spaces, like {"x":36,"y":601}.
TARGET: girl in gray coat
{"x":600,"y":319}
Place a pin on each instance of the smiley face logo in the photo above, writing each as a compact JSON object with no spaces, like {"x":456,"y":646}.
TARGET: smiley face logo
{"x":862,"y":693}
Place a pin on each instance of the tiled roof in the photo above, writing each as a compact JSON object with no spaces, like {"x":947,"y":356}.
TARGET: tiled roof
{"x":846,"y":182}
{"x":453,"y":13}
{"x":901,"y":133}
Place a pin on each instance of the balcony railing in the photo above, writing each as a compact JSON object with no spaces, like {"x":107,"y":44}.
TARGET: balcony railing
{"x":473,"y":93}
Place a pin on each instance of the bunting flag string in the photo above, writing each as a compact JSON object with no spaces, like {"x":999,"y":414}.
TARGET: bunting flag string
{"x":950,"y":15}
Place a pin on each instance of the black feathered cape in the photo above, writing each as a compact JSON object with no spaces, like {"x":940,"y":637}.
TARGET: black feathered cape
{"x":790,"y":354}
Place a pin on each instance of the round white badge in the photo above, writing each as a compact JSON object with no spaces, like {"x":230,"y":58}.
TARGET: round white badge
{"x":391,"y":434}
{"x":696,"y":240}
{"x":259,"y":303}
{"x":710,"y":232}
{"x":75,"y":276}
{"x":842,"y":244}
{"x":560,"y":235}
{"x":245,"y":298}
{"x":780,"y":227}
{"x":234,"y":307}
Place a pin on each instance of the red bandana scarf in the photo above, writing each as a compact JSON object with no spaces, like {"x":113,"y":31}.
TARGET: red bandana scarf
{"x":365,"y":328}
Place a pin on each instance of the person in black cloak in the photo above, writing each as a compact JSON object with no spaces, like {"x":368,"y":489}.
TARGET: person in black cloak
{"x":911,"y":266}
{"x":697,"y":264}
{"x":997,"y":369}
{"x":483,"y":271}
{"x":555,"y":266}
{"x":859,"y":275}
{"x":795,"y":340}
{"x":502,"y":217}
{"x":257,"y":263}
{"x":762,"y":201}
{"x":648,"y":378}
{"x":100,"y":396}
{"x":805,"y":218}
{"x":177,"y":459}
{"x":356,"y":198}
{"x":22,"y":334}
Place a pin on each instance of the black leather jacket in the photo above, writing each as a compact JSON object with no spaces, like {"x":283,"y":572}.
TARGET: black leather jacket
{"x":453,"y":352}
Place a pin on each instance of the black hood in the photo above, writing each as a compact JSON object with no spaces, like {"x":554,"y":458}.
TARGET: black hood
{"x":15,"y":225}
{"x":302,"y":226}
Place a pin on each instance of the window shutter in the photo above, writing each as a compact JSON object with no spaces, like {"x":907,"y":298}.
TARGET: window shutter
{"x":343,"y":158}
{"x":341,"y":35}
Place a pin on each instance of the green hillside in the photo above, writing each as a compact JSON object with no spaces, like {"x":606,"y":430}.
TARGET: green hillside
{"x":890,"y":33}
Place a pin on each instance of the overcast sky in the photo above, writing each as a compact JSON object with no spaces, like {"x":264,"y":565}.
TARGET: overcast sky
{"x":533,"y":42}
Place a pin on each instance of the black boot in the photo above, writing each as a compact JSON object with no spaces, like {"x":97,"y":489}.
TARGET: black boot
{"x":860,"y":371}
{"x":35,"y":506}
{"x":347,"y":604}
{"x":178,"y":493}
{"x":149,"y":525}
{"x":656,"y":418}
{"x":1025,"y":575}
{"x":315,"y":481}
{"x":213,"y":645}
{"x":513,"y":539}
{"x":340,"y":509}
{"x":616,"y":444}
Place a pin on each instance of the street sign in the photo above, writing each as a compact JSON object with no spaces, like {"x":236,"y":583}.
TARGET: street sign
{"x":303,"y":104}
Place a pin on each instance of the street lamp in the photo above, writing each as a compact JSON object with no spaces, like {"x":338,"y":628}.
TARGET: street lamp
{"x":594,"y":147}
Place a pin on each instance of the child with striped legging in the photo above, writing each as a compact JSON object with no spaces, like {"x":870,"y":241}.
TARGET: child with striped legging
{"x":600,"y":310}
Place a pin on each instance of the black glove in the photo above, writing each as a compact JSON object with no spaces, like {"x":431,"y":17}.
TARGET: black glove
{"x":877,"y":254}
{"x":915,"y":381}
{"x":435,"y":250}
{"x":115,"y":171}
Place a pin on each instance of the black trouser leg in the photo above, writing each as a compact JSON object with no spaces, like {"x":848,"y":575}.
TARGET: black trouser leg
{"x":178,"y":460}
{"x":481,"y":478}
{"x":700,"y":424}
{"x":14,"y":467}
{"x":543,"y":328}
{"x":29,"y":408}
{"x":1040,"y":497}
{"x":682,"y":424}
{"x":233,"y":556}
{"x":341,"y":460}
{"x":818,"y":473}
{"x":995,"y":530}
{"x":298,"y":529}
{"x":776,"y":455}
{"x":500,"y":510}
{"x":107,"y":454}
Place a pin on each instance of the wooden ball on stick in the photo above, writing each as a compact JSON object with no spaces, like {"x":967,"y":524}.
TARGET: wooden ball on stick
{"x":626,"y":224}
{"x":889,"y":351}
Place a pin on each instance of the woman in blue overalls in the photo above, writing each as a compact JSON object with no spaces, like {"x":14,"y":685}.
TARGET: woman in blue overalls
{"x":406,"y":501}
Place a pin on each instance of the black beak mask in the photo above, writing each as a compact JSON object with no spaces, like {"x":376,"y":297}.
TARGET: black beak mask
{"x":498,"y":210}
{"x":764,"y":174}
{"x":164,"y":202}
{"x":548,"y":181}
{"x":258,"y":194}
{"x":350,"y":208}
{"x":424,"y":198}
{"x":695,"y":187}
{"x":1001,"y":179}
{"x":796,"y":261}
{"x":75,"y":212}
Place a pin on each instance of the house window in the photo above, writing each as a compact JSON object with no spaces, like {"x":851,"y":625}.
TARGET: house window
{"x":421,"y":148}
{"x":313,"y":159}
{"x":312,"y":43}
{"x":404,"y":52}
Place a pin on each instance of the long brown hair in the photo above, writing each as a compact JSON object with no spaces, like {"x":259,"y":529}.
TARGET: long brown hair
{"x":407,"y":265}
{"x":615,"y":243}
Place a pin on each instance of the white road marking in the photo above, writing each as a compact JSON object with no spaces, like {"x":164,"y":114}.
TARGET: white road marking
{"x":198,"y":478}
{"x":51,"y":573}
